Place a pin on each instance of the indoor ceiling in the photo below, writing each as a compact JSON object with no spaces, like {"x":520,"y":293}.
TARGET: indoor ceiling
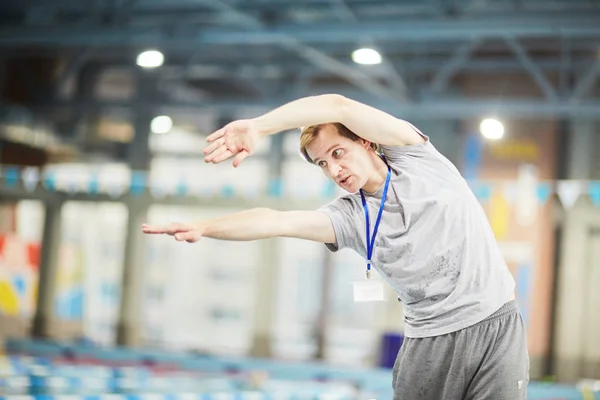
{"x":228,"y":55}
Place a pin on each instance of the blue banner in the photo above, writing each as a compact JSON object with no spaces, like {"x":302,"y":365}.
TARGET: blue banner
{"x":472,"y":156}
{"x":543,"y":192}
{"x":50,"y":181}
{"x":138,"y":183}
{"x":594,"y":191}
{"x":11,"y":176}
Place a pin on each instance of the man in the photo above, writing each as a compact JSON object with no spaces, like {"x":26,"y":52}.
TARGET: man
{"x":411,"y":215}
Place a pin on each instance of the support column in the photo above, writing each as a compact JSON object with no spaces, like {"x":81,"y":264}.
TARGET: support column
{"x":581,"y":149}
{"x":595,"y":167}
{"x":86,"y":80}
{"x":267,"y":274}
{"x":44,"y":314}
{"x":264,"y":310}
{"x":130,"y":321}
{"x":2,"y":79}
{"x":324,"y":311}
{"x":571,"y":322}
{"x":138,"y":153}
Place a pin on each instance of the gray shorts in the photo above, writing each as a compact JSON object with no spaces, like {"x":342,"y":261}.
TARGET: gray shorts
{"x":488,"y":360}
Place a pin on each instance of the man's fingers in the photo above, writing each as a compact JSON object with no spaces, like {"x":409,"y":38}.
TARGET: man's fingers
{"x":181,"y":232}
{"x":216,"y":135}
{"x":213,"y":146}
{"x":215,"y":154}
{"x":241,"y":156}
{"x":232,"y":145}
{"x":169,"y":229}
{"x":189,"y":237}
{"x":153,"y":229}
{"x":222,"y":157}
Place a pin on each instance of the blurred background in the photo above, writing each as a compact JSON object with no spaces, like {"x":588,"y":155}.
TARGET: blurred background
{"x":104,"y":108}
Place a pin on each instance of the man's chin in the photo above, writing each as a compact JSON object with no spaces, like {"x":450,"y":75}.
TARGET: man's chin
{"x":348,"y":188}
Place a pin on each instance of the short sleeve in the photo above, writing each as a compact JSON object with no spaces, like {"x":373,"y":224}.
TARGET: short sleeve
{"x":396,"y":153}
{"x":344,"y":214}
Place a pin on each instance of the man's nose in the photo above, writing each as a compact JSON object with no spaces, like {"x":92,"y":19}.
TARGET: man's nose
{"x":334,"y":170}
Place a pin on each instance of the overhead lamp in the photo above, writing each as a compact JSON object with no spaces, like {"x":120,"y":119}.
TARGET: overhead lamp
{"x":161,"y":124}
{"x":366,"y":56}
{"x":491,"y":129}
{"x":150,"y":59}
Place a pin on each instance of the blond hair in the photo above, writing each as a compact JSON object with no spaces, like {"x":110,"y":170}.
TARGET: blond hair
{"x":309,"y":134}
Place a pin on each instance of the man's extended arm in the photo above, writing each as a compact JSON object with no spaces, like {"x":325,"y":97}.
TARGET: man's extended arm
{"x":254,"y":224}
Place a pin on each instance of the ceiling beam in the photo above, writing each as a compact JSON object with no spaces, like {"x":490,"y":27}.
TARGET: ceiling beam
{"x":451,"y":67}
{"x":413,"y":30}
{"x":314,"y":56}
{"x":458,"y":108}
{"x":396,"y":80}
{"x":537,"y":75}
{"x":586,"y":82}
{"x":71,"y":68}
{"x":419,"y":70}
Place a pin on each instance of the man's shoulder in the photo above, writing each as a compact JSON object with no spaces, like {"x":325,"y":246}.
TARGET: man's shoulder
{"x":395,"y":150}
{"x":342,"y":202}
{"x":346,"y":197}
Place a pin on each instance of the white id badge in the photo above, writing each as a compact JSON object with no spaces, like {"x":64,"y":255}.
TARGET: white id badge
{"x":368,"y":290}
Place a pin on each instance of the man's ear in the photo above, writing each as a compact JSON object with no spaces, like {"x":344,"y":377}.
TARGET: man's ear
{"x":365,"y":143}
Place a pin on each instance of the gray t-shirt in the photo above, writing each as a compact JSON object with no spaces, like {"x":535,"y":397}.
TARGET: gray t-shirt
{"x":434,"y":246}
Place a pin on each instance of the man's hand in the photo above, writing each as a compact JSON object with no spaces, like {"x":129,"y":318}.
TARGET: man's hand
{"x":237,"y":138}
{"x":181,"y":232}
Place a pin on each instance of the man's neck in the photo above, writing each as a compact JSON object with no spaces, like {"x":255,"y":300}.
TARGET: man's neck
{"x":378,"y":174}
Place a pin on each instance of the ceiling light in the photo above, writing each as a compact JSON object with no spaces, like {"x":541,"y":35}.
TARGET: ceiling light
{"x":150,"y":59}
{"x":491,"y":129}
{"x":366,"y":56}
{"x":161,"y":124}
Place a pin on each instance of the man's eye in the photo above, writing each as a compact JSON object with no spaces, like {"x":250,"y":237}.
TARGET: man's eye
{"x":337,"y":152}
{"x":322,"y":164}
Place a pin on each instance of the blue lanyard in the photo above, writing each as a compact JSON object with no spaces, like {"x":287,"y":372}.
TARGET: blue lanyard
{"x":371,"y":241}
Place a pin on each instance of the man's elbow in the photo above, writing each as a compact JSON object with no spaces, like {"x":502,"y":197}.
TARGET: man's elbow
{"x":340,"y":106}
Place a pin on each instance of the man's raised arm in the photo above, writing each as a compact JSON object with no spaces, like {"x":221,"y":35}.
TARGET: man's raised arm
{"x":238,"y":138}
{"x":365,"y":121}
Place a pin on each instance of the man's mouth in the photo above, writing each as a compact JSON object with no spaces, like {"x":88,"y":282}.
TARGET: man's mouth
{"x":345,"y":180}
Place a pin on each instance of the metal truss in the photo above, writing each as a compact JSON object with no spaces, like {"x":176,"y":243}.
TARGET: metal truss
{"x":257,"y":54}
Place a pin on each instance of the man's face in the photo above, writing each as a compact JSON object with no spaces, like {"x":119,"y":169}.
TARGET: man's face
{"x":343,"y":160}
